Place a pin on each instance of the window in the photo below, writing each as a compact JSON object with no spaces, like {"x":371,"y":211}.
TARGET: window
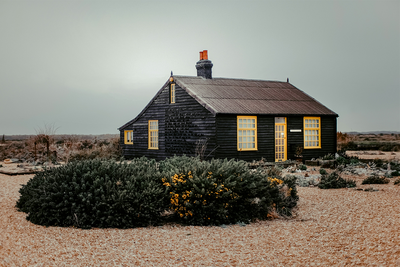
{"x":312,"y":132}
{"x":128,"y":137}
{"x":246,"y":133}
{"x":172,"y":93}
{"x":153,"y":134}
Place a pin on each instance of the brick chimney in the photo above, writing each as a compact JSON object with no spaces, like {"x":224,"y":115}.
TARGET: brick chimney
{"x":204,"y":66}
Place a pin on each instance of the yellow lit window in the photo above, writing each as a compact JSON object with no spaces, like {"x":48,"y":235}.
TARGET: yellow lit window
{"x":172,"y":93}
{"x":128,"y":137}
{"x":312,"y":132}
{"x":246,"y":133}
{"x":153,"y":134}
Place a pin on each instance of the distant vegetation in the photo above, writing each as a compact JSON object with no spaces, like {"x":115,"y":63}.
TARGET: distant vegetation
{"x":381,"y":141}
{"x":58,"y":137}
{"x":60,"y":148}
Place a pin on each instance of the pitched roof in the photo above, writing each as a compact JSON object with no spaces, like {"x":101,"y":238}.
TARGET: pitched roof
{"x":240,"y":96}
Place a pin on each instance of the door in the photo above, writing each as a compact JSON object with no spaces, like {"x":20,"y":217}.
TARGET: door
{"x":280,"y":139}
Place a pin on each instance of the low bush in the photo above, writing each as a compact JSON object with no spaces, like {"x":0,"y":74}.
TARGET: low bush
{"x":333,"y":180}
{"x":344,"y":159}
{"x":374,"y":179}
{"x":389,"y":147}
{"x":104,"y":193}
{"x":96,"y":193}
{"x":395,"y":166}
{"x":303,"y":181}
{"x":323,"y":171}
{"x":302,"y":167}
{"x":328,"y":157}
{"x":224,"y":192}
{"x":351,"y":145}
{"x":397,"y":181}
{"x":378,"y":163}
{"x":395,"y":173}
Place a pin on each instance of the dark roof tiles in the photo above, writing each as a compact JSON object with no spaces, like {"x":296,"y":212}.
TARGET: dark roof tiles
{"x":240,"y":96}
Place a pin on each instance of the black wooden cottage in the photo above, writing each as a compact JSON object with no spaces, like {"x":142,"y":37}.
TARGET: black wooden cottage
{"x":229,"y":118}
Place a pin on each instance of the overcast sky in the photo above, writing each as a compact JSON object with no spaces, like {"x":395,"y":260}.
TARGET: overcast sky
{"x":88,"y":67}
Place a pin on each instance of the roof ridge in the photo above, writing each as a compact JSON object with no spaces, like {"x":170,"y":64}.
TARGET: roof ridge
{"x":224,"y":78}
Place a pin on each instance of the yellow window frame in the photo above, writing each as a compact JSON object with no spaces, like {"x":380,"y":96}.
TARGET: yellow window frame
{"x":312,"y":132}
{"x":153,"y":134}
{"x":172,"y":93}
{"x":247,"y":133}
{"x":128,"y":137}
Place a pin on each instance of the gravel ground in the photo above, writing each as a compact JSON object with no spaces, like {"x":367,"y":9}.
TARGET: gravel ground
{"x":337,"y":227}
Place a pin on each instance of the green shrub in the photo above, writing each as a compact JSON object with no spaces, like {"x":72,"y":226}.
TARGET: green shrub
{"x":333,"y":180}
{"x":374,"y":179}
{"x":323,"y":171}
{"x":343,"y":159}
{"x":378,"y":162}
{"x":224,"y":192}
{"x":349,"y":146}
{"x":274,"y":171}
{"x":302,"y":167}
{"x":328,"y":157}
{"x":101,"y":193}
{"x":96,"y":193}
{"x":395,"y":166}
{"x":395,"y":173}
{"x":389,"y":147}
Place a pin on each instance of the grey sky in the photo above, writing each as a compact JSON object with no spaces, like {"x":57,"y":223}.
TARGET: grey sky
{"x":88,"y":67}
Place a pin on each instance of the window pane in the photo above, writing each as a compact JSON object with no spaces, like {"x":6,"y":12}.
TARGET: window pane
{"x":245,"y":133}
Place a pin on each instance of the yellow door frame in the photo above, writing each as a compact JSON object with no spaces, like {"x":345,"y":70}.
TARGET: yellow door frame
{"x":280,"y":139}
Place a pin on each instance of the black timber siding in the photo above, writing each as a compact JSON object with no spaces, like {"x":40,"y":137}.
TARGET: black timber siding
{"x":227,"y":138}
{"x":226,"y":131}
{"x":328,"y":137}
{"x":181,"y":125}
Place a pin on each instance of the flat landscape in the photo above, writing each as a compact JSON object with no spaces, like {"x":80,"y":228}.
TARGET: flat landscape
{"x":338,"y":227}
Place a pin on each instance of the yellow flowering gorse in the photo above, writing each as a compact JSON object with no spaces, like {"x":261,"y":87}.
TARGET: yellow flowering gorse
{"x":178,"y":201}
